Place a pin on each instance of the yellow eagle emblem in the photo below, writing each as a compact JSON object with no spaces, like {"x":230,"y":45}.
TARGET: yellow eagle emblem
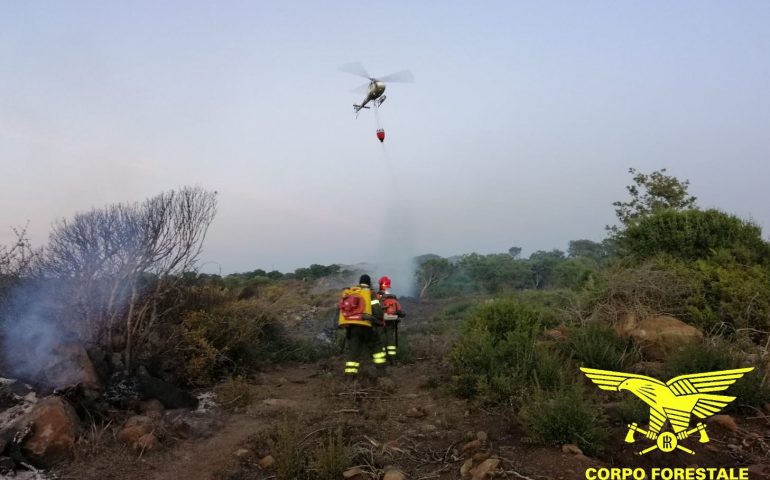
{"x":674,"y":401}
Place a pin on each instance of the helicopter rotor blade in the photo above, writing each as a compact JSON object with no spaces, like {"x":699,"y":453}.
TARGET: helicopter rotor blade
{"x":360,"y":89}
{"x":355,"y":68}
{"x":404,"y":76}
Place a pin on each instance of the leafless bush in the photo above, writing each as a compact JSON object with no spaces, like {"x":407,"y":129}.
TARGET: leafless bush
{"x":121,"y":265}
{"x":16,"y":260}
{"x":642,"y":291}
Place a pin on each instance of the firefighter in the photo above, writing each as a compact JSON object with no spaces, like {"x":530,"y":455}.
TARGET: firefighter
{"x":361,"y":315}
{"x":392,"y":315}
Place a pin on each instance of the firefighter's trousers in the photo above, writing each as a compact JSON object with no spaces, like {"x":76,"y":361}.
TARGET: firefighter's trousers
{"x":361,"y":341}
{"x":390,"y":340}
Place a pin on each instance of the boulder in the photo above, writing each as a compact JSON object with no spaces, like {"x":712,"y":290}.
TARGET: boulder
{"x":659,"y":335}
{"x":480,"y":457}
{"x":266,"y":462}
{"x":486,"y":469}
{"x":135,"y":428}
{"x":354,"y":472}
{"x":465,"y":469}
{"x":146,"y":442}
{"x":394,"y":474}
{"x":70,"y":365}
{"x":55,"y":427}
{"x":572,"y":449}
{"x":724,"y":422}
{"x":471,"y":447}
{"x":186,"y":424}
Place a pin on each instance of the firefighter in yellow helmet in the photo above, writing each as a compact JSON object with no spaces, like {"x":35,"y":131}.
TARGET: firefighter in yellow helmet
{"x":392,"y":315}
{"x":360,"y":314}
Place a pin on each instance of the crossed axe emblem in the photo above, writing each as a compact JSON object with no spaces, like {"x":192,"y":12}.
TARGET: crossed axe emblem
{"x":666,"y":441}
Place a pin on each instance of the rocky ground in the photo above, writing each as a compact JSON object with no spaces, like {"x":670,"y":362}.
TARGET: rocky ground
{"x":406,"y":425}
{"x":401,"y":423}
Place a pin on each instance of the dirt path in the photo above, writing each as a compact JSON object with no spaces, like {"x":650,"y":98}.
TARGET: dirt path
{"x":404,"y":421}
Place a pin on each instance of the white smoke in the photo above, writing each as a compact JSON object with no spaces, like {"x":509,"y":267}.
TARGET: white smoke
{"x":31,"y":338}
{"x":396,"y":252}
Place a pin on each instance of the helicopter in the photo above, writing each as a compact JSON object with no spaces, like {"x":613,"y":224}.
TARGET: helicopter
{"x":376,"y":87}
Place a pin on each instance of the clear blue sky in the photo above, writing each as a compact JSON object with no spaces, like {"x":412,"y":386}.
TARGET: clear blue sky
{"x":519,"y":129}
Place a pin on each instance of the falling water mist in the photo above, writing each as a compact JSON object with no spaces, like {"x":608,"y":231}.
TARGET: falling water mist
{"x":396,"y":250}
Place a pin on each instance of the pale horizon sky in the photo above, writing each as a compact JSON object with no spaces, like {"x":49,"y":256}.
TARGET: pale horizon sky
{"x":519,"y":129}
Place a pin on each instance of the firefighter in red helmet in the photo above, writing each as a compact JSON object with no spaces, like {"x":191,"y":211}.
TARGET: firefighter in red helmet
{"x":392,"y":315}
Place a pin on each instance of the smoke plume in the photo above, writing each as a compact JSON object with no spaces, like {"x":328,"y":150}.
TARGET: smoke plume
{"x":396,"y":252}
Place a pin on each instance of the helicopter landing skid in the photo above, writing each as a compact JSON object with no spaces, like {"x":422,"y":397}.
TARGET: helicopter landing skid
{"x":379,"y":101}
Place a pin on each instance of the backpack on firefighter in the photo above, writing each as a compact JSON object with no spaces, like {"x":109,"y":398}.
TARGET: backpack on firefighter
{"x":355,"y":307}
{"x":390,"y":307}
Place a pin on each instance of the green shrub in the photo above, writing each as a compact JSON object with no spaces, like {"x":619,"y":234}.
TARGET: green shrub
{"x":562,"y":416}
{"x":552,"y":305}
{"x":752,"y":390}
{"x":729,"y":292}
{"x":596,"y":345}
{"x":713,"y":354}
{"x":631,"y":409}
{"x":498,"y":357}
{"x":693,"y":235}
{"x":467,"y":385}
{"x":549,"y":370}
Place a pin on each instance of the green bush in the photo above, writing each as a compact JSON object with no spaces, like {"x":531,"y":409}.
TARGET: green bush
{"x":752,"y":390}
{"x":563,"y":416}
{"x":631,"y":409}
{"x":729,"y":292}
{"x":693,"y":235}
{"x":552,"y":306}
{"x":549,"y":369}
{"x":498,"y":357}
{"x":596,"y":345}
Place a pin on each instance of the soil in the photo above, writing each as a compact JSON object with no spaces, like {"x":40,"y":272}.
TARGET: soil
{"x":408,"y":420}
